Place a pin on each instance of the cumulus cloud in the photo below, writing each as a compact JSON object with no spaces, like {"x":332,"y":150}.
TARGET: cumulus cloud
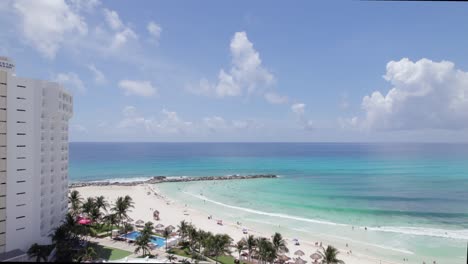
{"x":139,"y":88}
{"x":122,"y":33}
{"x":79,"y":128}
{"x":154,"y":30}
{"x":85,"y":5}
{"x":214,"y":123}
{"x":46,"y":24}
{"x":170,"y":122}
{"x":298,"y":108}
{"x":70,"y":81}
{"x":98,"y":75}
{"x":425,"y":95}
{"x":246,"y":75}
{"x":274,"y":98}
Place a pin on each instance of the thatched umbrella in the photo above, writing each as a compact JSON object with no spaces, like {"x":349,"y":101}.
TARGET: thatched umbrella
{"x":170,"y":228}
{"x":315,"y":256}
{"x":139,"y":222}
{"x":283,"y":258}
{"x":159,"y":226}
{"x":299,"y":253}
{"x":300,"y":261}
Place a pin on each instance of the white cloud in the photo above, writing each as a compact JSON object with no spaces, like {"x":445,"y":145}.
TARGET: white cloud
{"x":70,"y":81}
{"x":245,"y":124}
{"x":45,"y":24}
{"x":122,"y":33}
{"x":425,"y":95}
{"x":298,"y":108}
{"x":98,"y":75}
{"x":113,"y":19}
{"x":246,"y":74}
{"x":214,"y":123}
{"x":274,"y":98}
{"x":139,"y":88}
{"x":85,"y":5}
{"x":169,"y":123}
{"x":154,"y":30}
{"x":79,"y":128}
{"x":227,"y":86}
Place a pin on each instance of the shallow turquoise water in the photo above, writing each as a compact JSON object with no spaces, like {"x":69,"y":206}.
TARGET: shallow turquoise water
{"x":413,"y":198}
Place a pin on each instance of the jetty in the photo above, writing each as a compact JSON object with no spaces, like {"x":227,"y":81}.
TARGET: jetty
{"x":163,"y":179}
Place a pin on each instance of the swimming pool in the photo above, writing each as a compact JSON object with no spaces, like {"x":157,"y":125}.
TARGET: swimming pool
{"x":158,"y":241}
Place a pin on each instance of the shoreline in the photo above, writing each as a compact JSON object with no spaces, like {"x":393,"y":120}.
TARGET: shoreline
{"x":148,"y":197}
{"x":164,"y":179}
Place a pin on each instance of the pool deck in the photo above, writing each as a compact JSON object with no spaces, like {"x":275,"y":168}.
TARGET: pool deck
{"x":160,"y":254}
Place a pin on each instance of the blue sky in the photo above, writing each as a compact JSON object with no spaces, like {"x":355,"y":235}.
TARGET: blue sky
{"x":249,"y":70}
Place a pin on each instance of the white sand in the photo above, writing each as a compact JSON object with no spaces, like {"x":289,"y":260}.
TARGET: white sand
{"x":171,"y":213}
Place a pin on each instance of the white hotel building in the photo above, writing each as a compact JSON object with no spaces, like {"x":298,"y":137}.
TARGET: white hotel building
{"x":34,"y":118}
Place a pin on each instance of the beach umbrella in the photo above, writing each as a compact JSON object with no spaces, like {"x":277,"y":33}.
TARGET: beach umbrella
{"x":139,"y":222}
{"x":315,"y":256}
{"x":299,"y":253}
{"x":159,"y":226}
{"x":283,"y":258}
{"x":300,"y":261}
{"x":84,"y":221}
{"x":170,"y":227}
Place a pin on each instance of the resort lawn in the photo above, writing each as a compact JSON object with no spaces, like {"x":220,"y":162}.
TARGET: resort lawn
{"x":109,"y":253}
{"x":180,"y":252}
{"x":226,"y":259}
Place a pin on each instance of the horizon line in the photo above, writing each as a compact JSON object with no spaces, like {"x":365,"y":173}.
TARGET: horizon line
{"x":288,"y":142}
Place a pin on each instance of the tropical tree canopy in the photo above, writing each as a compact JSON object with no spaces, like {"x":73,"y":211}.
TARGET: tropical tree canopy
{"x":330,"y":255}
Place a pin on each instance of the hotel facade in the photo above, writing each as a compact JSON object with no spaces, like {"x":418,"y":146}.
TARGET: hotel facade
{"x":34,"y":118}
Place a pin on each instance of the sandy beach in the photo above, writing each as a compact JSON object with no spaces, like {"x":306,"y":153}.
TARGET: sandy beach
{"x":148,"y":198}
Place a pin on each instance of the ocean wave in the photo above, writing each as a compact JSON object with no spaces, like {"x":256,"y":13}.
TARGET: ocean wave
{"x":418,"y":231}
{"x":423,"y":231}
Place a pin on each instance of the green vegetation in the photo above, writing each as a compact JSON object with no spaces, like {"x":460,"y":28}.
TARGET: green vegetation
{"x":144,"y":239}
{"x":109,"y":253}
{"x":226,"y":259}
{"x":329,"y":255}
{"x":71,"y":239}
{"x":183,"y":252}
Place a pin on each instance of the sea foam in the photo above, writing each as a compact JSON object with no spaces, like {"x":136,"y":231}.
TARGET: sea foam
{"x":417,"y":231}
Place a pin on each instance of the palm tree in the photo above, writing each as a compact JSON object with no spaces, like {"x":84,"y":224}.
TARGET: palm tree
{"x":111,"y":220}
{"x":75,"y":200}
{"x":88,"y":206}
{"x":39,"y":252}
{"x":193,"y":236}
{"x":166,"y":234}
{"x":220,"y":245}
{"x":266,"y":250}
{"x":88,"y":254}
{"x":95,"y":215}
{"x":122,"y":207}
{"x":182,"y":229}
{"x":101,"y":203}
{"x":240,"y":245}
{"x":279,"y":243}
{"x":142,"y":244}
{"x":63,"y":239}
{"x":171,"y":257}
{"x":329,"y":255}
{"x":251,"y":243}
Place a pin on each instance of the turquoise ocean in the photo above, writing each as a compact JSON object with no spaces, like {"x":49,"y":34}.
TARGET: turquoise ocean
{"x":411,"y":197}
